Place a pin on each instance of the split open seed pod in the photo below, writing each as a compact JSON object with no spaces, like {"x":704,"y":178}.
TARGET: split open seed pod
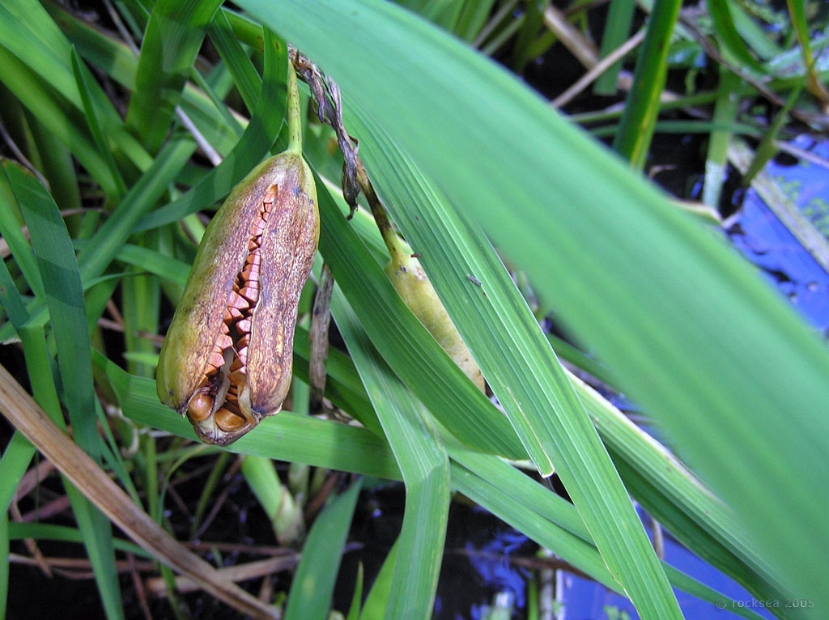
{"x":227,"y":357}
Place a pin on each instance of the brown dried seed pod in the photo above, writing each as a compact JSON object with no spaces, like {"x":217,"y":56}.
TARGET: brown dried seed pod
{"x":245,"y":284}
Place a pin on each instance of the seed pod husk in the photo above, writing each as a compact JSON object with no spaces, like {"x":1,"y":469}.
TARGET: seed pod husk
{"x":227,"y":358}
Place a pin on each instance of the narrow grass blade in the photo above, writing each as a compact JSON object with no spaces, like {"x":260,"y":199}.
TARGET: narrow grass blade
{"x":82,"y":78}
{"x":725,"y":112}
{"x":532,"y":22}
{"x":520,"y":366}
{"x":552,"y":522}
{"x":354,"y":609}
{"x":734,"y":47}
{"x":38,"y":69}
{"x":97,"y":538}
{"x":258,"y":137}
{"x":405,"y":344}
{"x":62,"y":533}
{"x":285,"y":516}
{"x":642,"y":105}
{"x":4,"y":562}
{"x":550,"y":531}
{"x":104,"y":245}
{"x":11,"y":223}
{"x":472,"y":18}
{"x":171,"y":42}
{"x":244,"y":74}
{"x":675,"y":498}
{"x":57,"y":165}
{"x":616,"y":31}
{"x":141,"y":299}
{"x":378,"y":596}
{"x":313,"y":585}
{"x":10,"y":298}
{"x":425,"y":467}
{"x":55,"y":114}
{"x":797,"y":13}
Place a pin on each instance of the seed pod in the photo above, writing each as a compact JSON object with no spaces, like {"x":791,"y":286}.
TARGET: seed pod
{"x":226,"y":361}
{"x":412,"y":283}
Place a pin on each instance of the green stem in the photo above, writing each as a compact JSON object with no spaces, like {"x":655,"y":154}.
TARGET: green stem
{"x":642,"y":106}
{"x":293,"y":114}
{"x":394,"y":244}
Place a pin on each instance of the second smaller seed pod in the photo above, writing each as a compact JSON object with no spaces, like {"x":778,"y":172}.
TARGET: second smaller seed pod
{"x":226,"y":361}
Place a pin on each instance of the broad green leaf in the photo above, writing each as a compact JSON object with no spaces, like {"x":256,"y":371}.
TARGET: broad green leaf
{"x":285,"y":437}
{"x":64,"y":296}
{"x":732,"y":375}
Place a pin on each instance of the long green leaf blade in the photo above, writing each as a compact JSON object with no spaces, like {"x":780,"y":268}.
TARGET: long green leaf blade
{"x":171,"y":42}
{"x":633,"y":139}
{"x":251,"y":148}
{"x":64,"y":296}
{"x":313,"y":584}
{"x":425,"y":467}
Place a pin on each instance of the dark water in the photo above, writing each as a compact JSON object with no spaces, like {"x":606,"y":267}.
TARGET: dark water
{"x":764,"y":241}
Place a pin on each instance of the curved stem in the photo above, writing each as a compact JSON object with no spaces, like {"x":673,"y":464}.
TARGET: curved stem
{"x":293,"y":114}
